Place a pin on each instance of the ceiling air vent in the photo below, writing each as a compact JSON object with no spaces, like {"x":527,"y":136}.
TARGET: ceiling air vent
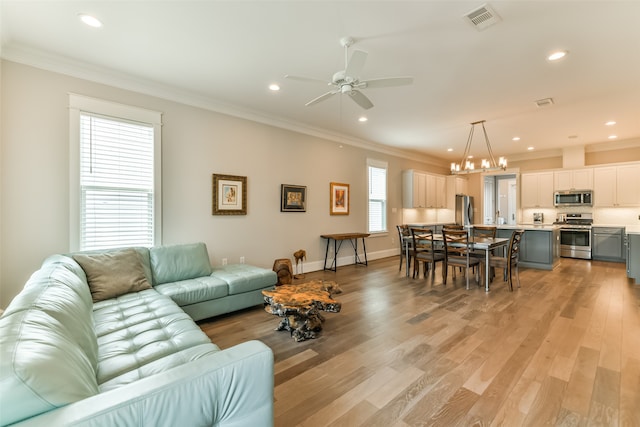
{"x":546,"y":102}
{"x":483,"y":17}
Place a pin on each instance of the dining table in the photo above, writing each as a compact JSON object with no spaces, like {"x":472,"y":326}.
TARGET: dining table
{"x":482,"y":243}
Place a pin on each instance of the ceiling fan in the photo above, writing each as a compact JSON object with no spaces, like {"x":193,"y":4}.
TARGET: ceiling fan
{"x":348,"y":80}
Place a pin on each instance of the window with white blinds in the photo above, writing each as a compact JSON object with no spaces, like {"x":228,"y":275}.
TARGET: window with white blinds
{"x":377,"y":172}
{"x":117,"y":182}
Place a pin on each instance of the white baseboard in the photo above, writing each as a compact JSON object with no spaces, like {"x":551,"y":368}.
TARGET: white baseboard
{"x":346,"y":260}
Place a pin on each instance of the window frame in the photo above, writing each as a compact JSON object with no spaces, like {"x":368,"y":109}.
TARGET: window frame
{"x":79,"y":104}
{"x":379,"y":164}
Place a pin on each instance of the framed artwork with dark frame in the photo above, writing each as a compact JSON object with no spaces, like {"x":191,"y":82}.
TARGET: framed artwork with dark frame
{"x":229,"y":195}
{"x":339,"y":199}
{"x":293,"y":198}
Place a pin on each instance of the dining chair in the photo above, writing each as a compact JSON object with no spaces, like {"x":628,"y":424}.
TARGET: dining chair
{"x":509,"y":262}
{"x":404,"y":236}
{"x":483,"y":231}
{"x":452,"y":227}
{"x":457,"y":253}
{"x":425,"y":252}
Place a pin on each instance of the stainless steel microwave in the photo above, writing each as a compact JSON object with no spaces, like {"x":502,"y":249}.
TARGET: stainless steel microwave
{"x":573,"y":198}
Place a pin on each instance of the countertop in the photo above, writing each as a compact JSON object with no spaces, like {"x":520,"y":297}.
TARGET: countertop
{"x":532,"y":227}
{"x":632,"y":229}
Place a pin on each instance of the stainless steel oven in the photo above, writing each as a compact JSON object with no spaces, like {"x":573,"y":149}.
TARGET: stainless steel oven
{"x":575,"y":242}
{"x":575,"y":235}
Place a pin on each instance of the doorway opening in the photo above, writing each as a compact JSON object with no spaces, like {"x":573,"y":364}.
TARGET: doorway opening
{"x":500,"y":198}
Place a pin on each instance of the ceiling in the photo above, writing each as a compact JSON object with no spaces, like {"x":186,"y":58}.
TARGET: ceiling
{"x":224,"y":54}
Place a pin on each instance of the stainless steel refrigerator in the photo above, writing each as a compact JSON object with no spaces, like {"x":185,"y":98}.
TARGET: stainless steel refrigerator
{"x":464,"y":210}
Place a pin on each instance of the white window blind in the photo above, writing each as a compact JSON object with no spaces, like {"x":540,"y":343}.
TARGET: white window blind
{"x":377,"y":196}
{"x":116,"y":182}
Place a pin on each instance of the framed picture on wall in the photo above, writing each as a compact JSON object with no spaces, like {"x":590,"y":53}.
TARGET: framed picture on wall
{"x":339,"y":198}
{"x":229,"y":195}
{"x":293,"y":198}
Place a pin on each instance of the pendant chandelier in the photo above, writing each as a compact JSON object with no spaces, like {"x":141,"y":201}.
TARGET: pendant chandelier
{"x":467,"y":166}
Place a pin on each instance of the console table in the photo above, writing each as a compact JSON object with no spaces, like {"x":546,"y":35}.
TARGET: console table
{"x":337,"y":243}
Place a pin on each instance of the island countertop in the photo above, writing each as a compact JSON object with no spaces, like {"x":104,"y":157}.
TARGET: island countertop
{"x":532,"y":227}
{"x":632,"y":229}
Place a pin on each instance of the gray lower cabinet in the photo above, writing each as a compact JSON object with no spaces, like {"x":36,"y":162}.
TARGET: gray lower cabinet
{"x":608,"y":244}
{"x":633,"y":257}
{"x":539,"y":248}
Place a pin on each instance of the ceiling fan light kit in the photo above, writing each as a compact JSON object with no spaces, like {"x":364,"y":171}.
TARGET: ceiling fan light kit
{"x":348,"y":81}
{"x":466,"y":166}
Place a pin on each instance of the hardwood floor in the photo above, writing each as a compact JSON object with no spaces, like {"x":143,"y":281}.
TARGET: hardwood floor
{"x":562,"y":350}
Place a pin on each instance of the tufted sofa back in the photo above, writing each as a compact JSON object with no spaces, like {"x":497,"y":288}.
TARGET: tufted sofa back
{"x":48,"y":347}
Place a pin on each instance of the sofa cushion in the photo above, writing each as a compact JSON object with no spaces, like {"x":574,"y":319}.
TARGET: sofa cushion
{"x":142,"y":334}
{"x":142,"y":251}
{"x":48,"y":353}
{"x":115,"y":273}
{"x":173,"y":263}
{"x":196,"y":290}
{"x":245,"y":278}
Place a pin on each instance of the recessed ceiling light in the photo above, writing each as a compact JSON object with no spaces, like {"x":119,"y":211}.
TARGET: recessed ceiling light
{"x":469,"y":157}
{"x":531,"y":148}
{"x":362,"y":119}
{"x":559,"y":54}
{"x":449,"y":149}
{"x":613,"y":136}
{"x":91,"y":21}
{"x":515,"y":138}
{"x":274,"y":87}
{"x":610,"y":123}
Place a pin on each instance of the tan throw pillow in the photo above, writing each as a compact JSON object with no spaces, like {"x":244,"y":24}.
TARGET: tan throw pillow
{"x":112,"y":274}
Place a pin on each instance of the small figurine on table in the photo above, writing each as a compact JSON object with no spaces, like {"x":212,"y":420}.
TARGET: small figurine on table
{"x":299,"y":255}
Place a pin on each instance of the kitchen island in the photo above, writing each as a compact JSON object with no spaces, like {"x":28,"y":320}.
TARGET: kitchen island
{"x":540,"y":244}
{"x":633,"y":252}
{"x":539,"y":247}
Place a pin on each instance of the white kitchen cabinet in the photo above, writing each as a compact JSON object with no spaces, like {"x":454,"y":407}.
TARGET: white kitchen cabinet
{"x":431,"y":191}
{"x":454,"y":184}
{"x":436,"y":191}
{"x":577,"y":179}
{"x":616,"y":186}
{"x":627,"y":192}
{"x":423,"y":190}
{"x":604,"y":186}
{"x":414,"y":189}
{"x":536,"y":190}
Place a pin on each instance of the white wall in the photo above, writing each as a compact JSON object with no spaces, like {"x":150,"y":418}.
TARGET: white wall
{"x":34,"y":178}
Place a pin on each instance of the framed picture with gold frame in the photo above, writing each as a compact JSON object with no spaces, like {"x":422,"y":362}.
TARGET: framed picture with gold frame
{"x":229,"y":195}
{"x":339,"y":198}
{"x":293,"y":198}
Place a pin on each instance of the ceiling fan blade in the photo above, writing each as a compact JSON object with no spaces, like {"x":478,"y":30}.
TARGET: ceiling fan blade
{"x":321,"y":98}
{"x":305,"y":79}
{"x":356,"y":63}
{"x":386,"y":82}
{"x":360,"y":99}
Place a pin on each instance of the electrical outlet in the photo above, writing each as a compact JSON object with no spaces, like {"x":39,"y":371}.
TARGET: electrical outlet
{"x":241,"y":260}
{"x":224,"y":261}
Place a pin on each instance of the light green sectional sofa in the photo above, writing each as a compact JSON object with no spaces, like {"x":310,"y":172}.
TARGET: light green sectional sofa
{"x":109,"y":339}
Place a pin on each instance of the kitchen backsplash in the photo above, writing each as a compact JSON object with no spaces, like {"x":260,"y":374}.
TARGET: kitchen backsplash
{"x":605,"y":216}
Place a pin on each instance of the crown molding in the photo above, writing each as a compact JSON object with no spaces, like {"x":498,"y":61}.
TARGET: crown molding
{"x":62,"y":65}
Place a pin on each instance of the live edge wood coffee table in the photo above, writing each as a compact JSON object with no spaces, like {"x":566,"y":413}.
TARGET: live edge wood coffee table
{"x":299,"y":306}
